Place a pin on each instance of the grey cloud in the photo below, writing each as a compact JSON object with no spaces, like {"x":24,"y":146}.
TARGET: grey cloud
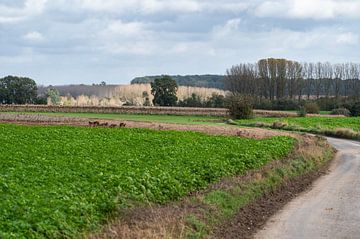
{"x":63,"y":41}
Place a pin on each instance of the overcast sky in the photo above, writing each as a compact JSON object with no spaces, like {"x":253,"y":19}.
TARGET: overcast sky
{"x":89,"y":41}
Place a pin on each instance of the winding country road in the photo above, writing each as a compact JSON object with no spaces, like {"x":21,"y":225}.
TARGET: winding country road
{"x":330,"y":209}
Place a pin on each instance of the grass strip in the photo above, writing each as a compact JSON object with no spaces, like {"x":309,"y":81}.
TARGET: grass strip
{"x":226,"y":203}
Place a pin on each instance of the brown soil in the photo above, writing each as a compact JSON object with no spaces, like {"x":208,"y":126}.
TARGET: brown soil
{"x":217,"y":130}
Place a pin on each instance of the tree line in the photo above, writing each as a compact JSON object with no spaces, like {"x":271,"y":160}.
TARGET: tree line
{"x":207,"y":81}
{"x":276,"y":79}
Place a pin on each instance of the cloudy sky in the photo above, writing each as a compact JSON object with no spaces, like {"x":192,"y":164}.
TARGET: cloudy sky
{"x":89,"y":41}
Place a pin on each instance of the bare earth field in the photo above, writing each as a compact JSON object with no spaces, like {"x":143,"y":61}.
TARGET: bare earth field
{"x":217,"y":130}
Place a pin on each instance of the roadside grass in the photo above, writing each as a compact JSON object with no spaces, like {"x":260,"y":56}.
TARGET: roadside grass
{"x":343,"y":127}
{"x":228,"y":202}
{"x":63,"y":181}
{"x":176,"y":119}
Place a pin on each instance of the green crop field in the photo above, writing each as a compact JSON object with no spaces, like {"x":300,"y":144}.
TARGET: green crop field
{"x":63,"y":181}
{"x":311,"y":122}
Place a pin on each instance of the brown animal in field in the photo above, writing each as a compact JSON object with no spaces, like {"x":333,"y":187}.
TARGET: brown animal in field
{"x":113,"y":125}
{"x":122,"y":125}
{"x":104,"y":124}
{"x":93,"y":123}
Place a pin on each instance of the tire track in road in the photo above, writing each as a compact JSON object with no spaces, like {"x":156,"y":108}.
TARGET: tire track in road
{"x":330,"y":209}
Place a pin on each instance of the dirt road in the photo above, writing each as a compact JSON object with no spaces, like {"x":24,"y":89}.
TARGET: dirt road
{"x":330,"y":209}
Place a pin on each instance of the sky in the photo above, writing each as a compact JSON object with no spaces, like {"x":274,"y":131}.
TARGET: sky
{"x":88,"y":41}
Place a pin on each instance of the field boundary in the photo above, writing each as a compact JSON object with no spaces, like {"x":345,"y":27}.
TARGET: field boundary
{"x":146,"y":110}
{"x":341,"y":133}
{"x":220,"y":112}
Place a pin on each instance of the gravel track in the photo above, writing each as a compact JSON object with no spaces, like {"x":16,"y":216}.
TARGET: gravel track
{"x":330,"y":209}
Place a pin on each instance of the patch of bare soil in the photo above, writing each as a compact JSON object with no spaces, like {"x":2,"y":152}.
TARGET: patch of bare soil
{"x":256,"y":133}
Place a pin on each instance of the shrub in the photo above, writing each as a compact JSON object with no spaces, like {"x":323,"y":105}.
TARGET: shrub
{"x":193,"y":101}
{"x":240,"y":107}
{"x":301,"y":112}
{"x":341,"y":111}
{"x":279,"y":125}
{"x":281,"y":104}
{"x":355,"y":109}
{"x":312,"y":108}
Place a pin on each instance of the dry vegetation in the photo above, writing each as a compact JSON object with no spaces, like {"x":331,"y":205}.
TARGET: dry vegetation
{"x":134,"y":95}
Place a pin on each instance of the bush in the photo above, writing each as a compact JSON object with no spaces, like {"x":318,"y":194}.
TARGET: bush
{"x":312,"y":108}
{"x":279,"y":125}
{"x":240,"y":107}
{"x":215,"y":101}
{"x":301,"y":112}
{"x":282,"y":104}
{"x":193,"y":101}
{"x":341,"y":111}
{"x":355,"y":109}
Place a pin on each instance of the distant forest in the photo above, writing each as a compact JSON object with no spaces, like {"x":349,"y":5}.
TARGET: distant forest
{"x":207,"y":81}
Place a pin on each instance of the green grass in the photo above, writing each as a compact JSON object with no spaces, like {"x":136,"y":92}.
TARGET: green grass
{"x":226,"y":203}
{"x":311,"y":122}
{"x":323,"y":112}
{"x":63,"y":181}
{"x":176,"y":119}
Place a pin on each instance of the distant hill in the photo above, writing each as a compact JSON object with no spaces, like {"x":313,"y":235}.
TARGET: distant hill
{"x":208,"y":81}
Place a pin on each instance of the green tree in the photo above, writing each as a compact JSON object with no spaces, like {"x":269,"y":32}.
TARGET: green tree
{"x":54,"y":96}
{"x":193,"y":101}
{"x":240,"y":106}
{"x":17,"y":90}
{"x":216,"y":101}
{"x":164,"y":91}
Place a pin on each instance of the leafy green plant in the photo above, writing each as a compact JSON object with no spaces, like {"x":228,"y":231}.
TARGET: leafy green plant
{"x":301,"y":112}
{"x":355,"y":109}
{"x":61,"y":181}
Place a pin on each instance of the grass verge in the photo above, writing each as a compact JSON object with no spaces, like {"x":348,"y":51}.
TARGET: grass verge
{"x":207,"y":214}
{"x":345,"y":133}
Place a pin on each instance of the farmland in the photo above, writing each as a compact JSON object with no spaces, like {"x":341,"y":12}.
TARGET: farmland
{"x":62,"y":181}
{"x":176,"y":119}
{"x":311,"y":122}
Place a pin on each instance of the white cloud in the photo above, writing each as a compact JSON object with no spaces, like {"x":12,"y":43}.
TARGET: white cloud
{"x":348,"y":38}
{"x":313,"y":9}
{"x":34,"y":36}
{"x":125,"y":29}
{"x":229,"y":28}
{"x":143,"y":6}
{"x":13,"y":15}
